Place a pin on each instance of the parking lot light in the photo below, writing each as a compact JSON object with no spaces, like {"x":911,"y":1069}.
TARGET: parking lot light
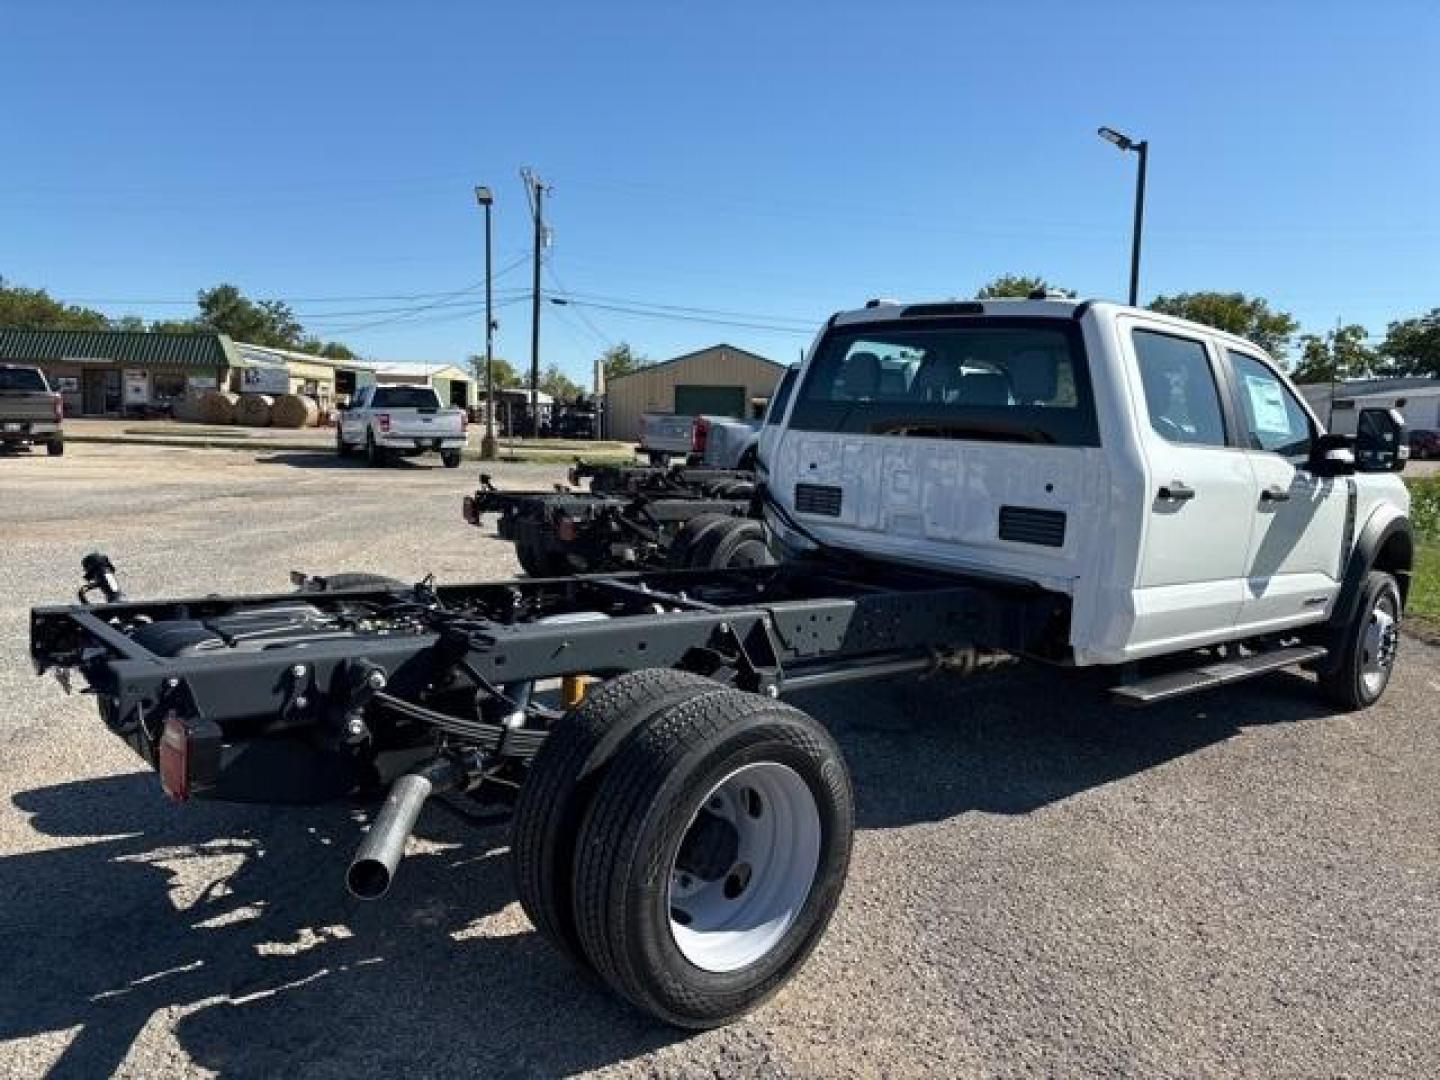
{"x":1142,"y":148}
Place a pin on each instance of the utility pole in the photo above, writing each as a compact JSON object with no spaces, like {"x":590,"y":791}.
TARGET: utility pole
{"x":535,"y":188}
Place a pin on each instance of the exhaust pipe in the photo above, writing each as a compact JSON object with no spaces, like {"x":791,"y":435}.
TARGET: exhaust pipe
{"x":373,"y":867}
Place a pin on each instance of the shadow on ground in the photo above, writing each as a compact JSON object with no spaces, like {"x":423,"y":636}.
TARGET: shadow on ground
{"x":106,"y":934}
{"x":328,"y":459}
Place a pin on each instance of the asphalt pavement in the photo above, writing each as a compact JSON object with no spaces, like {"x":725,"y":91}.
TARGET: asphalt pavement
{"x":1241,"y":884}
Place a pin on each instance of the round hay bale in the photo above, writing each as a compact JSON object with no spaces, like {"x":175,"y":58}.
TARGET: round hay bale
{"x":253,"y":410}
{"x":218,"y":407}
{"x":294,"y":411}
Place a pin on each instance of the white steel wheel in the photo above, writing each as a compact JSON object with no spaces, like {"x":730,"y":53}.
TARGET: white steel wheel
{"x":1379,"y":643}
{"x":744,"y":867}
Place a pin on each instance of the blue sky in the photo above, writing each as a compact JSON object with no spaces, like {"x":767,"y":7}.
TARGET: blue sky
{"x":776,"y":161}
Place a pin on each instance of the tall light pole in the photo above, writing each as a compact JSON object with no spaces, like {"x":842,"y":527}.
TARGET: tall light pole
{"x":535,"y":188}
{"x":1124,"y":142}
{"x":486,"y":198}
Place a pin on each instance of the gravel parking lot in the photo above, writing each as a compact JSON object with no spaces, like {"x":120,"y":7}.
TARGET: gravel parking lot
{"x":1240,"y":884}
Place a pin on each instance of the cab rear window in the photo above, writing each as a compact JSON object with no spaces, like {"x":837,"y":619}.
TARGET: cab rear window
{"x":20,"y":379}
{"x":404,"y":397}
{"x":1001,"y":380}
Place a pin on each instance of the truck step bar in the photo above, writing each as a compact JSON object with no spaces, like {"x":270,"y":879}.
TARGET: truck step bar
{"x":1173,"y":684}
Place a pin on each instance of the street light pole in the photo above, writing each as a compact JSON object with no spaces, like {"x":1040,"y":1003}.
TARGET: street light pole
{"x":486,"y":198}
{"x":1142,"y":148}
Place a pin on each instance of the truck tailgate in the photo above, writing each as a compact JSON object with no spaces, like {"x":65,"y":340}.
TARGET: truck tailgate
{"x":421,"y":424}
{"x":26,"y":407}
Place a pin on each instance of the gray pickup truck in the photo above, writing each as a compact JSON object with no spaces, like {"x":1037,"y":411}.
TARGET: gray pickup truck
{"x":30,"y":412}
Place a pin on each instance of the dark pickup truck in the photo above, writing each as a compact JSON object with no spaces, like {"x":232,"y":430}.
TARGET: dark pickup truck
{"x":30,"y":412}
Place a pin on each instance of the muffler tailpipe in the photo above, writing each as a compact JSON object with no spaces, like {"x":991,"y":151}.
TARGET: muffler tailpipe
{"x":373,"y":867}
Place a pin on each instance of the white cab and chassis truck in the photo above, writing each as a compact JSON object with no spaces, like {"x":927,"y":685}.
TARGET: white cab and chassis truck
{"x":385,"y":422}
{"x":1080,"y":484}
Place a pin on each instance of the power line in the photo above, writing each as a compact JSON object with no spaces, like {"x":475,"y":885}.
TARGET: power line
{"x":676,"y":317}
{"x":805,"y":323}
{"x":583,"y":319}
{"x":510,"y":267}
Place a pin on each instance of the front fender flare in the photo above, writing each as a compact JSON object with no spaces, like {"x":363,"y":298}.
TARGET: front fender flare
{"x":1385,"y":526}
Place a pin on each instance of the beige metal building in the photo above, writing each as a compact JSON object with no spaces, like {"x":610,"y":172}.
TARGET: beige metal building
{"x":455,"y":387}
{"x":720,"y":381}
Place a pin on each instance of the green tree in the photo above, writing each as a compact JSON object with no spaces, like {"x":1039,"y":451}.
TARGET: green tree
{"x":1014,"y":285}
{"x":225,"y":309}
{"x":176,"y":326}
{"x":558,"y":385}
{"x":1412,"y":346}
{"x":331,"y":350}
{"x":505,"y":373}
{"x":621,"y":359}
{"x":1250,"y":317}
{"x":1340,"y":354}
{"x":36,"y":309}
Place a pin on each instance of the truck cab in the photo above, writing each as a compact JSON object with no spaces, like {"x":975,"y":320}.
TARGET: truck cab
{"x":1164,"y":475}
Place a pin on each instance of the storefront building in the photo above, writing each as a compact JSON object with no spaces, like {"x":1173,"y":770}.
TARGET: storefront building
{"x":119,"y":372}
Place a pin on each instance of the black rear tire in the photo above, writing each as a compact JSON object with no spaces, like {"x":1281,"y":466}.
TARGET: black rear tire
{"x":561,"y":781}
{"x":55,"y":447}
{"x":740,"y":543}
{"x":646,"y":812}
{"x":1363,"y":652}
{"x":375,"y":454}
{"x":681,"y":554}
{"x":342,"y":448}
{"x":450,"y":458}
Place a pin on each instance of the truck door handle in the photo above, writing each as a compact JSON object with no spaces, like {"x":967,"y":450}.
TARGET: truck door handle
{"x":1176,"y":491}
{"x":1274,"y":494}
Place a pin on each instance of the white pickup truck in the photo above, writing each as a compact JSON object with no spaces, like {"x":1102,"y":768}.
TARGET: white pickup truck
{"x":390,"y":421}
{"x":950,"y":484}
{"x":1164,"y":477}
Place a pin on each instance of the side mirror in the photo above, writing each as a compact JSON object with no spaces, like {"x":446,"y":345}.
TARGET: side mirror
{"x":1380,"y":444}
{"x":1332,"y":455}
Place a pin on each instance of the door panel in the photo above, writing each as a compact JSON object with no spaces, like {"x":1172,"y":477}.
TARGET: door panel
{"x":1189,"y":586}
{"x":1293,"y":565}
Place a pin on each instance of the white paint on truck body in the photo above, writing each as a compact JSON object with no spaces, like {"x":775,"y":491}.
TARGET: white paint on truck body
{"x":1176,"y":535}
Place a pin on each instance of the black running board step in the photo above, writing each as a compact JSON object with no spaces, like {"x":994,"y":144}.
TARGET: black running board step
{"x":1175,"y":684}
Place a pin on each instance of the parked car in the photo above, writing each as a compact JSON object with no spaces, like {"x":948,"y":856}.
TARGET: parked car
{"x":390,"y":421}
{"x":664,"y":436}
{"x":30,"y":412}
{"x":1424,"y":443}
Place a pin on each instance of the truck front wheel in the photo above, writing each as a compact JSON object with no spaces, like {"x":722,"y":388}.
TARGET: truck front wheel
{"x":55,"y":447}
{"x":712,"y":856}
{"x":1365,"y":650}
{"x":450,"y":458}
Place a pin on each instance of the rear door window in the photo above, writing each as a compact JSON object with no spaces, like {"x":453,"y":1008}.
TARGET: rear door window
{"x":781,"y":396}
{"x":1180,"y":391}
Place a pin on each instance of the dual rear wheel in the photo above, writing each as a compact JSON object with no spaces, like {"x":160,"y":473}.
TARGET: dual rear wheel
{"x":686,"y":841}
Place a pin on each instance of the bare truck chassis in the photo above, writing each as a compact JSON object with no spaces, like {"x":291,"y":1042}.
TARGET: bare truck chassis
{"x":330,"y":691}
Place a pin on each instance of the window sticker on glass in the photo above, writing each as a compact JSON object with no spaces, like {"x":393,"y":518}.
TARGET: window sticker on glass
{"x":1267,"y":405}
